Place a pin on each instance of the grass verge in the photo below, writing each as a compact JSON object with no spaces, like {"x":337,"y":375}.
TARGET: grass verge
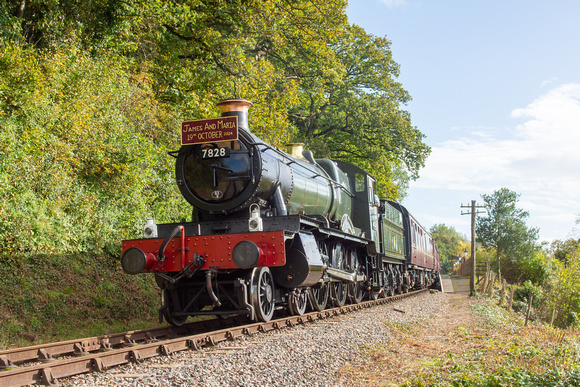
{"x":472,"y":343}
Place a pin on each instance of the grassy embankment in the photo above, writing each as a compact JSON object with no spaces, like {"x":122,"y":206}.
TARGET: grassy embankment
{"x":52,"y":298}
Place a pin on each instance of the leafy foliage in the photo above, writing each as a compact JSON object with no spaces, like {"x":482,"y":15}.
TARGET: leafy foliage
{"x":354,"y":113}
{"x":504,"y":229}
{"x":563,"y":290}
{"x":551,"y":277}
{"x":527,"y":290}
{"x":562,"y":250}
{"x":536,"y":267}
{"x":259,"y":50}
{"x":92,"y":94}
{"x":450,"y":244}
{"x":84,"y":142}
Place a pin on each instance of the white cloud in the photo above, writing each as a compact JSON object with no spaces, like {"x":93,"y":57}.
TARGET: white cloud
{"x":394,"y":3}
{"x":550,"y":82}
{"x":538,"y":158}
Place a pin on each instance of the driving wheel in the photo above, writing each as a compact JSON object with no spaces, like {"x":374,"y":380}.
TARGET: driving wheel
{"x":262,"y":293}
{"x":297,"y":302}
{"x":319,"y":297}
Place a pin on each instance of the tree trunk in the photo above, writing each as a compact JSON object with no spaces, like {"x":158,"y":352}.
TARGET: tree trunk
{"x":490,"y":285}
{"x":20,"y":9}
{"x":485,"y":280}
{"x":553,"y":315}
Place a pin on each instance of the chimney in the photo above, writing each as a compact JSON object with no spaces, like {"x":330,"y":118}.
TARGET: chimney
{"x":236,"y":107}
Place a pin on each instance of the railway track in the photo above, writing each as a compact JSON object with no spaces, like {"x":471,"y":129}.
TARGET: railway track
{"x":46,"y":364}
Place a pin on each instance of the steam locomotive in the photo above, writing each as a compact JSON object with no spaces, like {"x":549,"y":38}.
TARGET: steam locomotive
{"x":275,"y":231}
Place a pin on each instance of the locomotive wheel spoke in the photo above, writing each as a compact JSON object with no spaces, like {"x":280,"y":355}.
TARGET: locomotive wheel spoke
{"x":339,"y":289}
{"x":173,"y":320}
{"x":319,"y":297}
{"x":297,"y":303}
{"x":391,"y":286}
{"x":262,"y":293}
{"x":339,"y":293}
{"x":384,"y":290}
{"x":356,"y":292}
{"x":390,"y":283}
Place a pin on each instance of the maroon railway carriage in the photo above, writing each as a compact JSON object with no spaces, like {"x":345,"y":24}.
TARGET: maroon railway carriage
{"x":421,"y":254}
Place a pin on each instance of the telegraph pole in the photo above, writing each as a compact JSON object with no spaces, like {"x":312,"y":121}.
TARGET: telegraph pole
{"x":472,"y":211}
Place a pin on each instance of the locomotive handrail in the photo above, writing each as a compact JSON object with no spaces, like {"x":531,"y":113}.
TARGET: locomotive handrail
{"x":173,"y":234}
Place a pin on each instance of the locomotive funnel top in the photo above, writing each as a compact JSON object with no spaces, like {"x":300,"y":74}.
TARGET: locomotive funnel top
{"x":236,"y":107}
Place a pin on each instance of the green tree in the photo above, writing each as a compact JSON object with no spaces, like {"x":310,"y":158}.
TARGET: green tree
{"x":354,"y":113}
{"x":505,"y":229}
{"x":84,"y":157}
{"x":564,"y":290}
{"x":450,"y":244}
{"x":254,"y":49}
{"x":312,"y":77}
{"x":563,"y":250}
{"x":43,"y":23}
{"x":535,"y":267}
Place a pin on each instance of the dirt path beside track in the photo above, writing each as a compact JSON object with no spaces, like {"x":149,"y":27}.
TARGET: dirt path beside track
{"x":415,"y":345}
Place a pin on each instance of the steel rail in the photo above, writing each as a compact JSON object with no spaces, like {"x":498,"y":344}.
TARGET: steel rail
{"x":49,"y":371}
{"x":11,"y":358}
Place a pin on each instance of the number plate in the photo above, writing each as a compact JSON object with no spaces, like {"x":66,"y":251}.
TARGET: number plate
{"x":214,"y":153}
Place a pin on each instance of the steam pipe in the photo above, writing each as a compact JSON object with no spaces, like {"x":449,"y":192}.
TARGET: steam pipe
{"x":281,"y":209}
{"x":216,"y":301}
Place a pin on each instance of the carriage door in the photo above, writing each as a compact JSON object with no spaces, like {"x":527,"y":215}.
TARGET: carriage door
{"x":373,"y":210}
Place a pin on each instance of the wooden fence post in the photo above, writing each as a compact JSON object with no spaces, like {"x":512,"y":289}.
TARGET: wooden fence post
{"x":484,"y":283}
{"x":529,"y":309}
{"x":511,"y":298}
{"x":490,"y":285}
{"x":553,"y":316}
{"x":502,"y":293}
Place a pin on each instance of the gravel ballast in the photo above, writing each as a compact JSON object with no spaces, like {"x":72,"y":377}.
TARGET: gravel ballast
{"x":306,"y":355}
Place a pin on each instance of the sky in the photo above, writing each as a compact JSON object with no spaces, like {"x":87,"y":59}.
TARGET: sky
{"x":496,"y":91}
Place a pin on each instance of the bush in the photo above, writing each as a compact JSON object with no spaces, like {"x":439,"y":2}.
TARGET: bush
{"x":85,"y":153}
{"x":523,"y":293}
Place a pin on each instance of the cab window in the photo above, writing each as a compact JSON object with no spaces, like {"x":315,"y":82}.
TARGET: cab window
{"x":359,"y":182}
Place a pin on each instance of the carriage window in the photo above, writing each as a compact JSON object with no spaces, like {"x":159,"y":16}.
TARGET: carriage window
{"x":359,"y":182}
